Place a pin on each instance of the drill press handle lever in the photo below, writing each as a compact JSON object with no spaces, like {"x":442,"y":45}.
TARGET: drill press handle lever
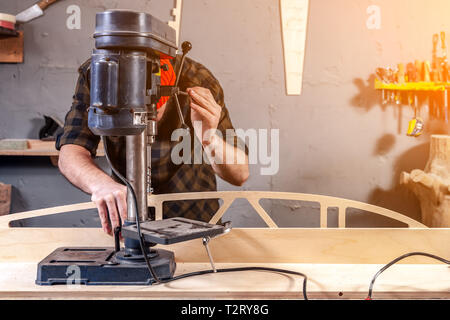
{"x":185,"y":47}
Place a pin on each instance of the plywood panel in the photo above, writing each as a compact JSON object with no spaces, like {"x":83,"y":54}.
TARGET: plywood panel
{"x":176,"y":22}
{"x":324,"y":281}
{"x":334,"y":246}
{"x":294,"y":22}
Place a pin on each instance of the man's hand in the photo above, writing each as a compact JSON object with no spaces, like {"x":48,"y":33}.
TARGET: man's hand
{"x":76,"y":164}
{"x":110,"y":198}
{"x":204,"y":108}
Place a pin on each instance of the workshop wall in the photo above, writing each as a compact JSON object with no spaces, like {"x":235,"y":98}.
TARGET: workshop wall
{"x":335,"y":139}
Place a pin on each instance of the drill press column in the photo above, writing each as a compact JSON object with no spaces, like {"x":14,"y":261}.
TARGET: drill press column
{"x":137,"y":175}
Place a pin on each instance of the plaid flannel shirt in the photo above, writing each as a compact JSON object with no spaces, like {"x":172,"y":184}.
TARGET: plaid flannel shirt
{"x":167,"y":177}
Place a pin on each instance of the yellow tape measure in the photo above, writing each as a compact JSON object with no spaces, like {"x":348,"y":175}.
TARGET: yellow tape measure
{"x":415,"y":127}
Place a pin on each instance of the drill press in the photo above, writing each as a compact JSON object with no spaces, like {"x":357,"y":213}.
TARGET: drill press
{"x":125,"y":88}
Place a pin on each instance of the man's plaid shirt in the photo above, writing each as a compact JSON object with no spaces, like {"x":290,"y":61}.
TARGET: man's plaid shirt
{"x":166,"y":176}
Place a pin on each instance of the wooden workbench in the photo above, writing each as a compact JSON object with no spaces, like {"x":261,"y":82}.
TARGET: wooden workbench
{"x":339,"y":264}
{"x":38,"y":148}
{"x":326,"y":281}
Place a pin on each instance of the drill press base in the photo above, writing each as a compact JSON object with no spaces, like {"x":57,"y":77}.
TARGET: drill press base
{"x":108,"y":266}
{"x":99,"y":266}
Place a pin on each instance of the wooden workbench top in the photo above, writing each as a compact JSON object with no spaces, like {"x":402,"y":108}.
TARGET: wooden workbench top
{"x":325,"y":281}
{"x":339,"y":263}
{"x":41,"y":148}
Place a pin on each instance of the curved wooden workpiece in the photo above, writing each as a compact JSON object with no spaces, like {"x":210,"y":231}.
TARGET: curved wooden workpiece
{"x":228,"y":197}
{"x":6,"y":221}
{"x":254,"y":198}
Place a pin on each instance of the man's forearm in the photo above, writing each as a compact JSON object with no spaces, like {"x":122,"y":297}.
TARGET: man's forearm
{"x":76,"y":164}
{"x":228,"y":162}
{"x":110,"y":197}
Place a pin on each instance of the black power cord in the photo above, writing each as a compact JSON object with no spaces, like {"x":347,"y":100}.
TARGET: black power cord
{"x":369,"y":297}
{"x":197,"y":273}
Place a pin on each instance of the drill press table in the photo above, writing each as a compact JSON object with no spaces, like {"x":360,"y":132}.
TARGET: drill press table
{"x":339,"y":263}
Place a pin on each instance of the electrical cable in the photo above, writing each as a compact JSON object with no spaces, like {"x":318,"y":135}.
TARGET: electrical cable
{"x":197,"y":273}
{"x":369,"y":297}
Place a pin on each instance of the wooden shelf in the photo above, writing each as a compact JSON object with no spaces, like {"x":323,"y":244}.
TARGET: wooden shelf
{"x":42,"y":148}
{"x":8,"y":33}
{"x":11,"y":48}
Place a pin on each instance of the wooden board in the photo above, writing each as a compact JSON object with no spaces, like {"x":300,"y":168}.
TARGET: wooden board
{"x":228,"y":197}
{"x":294,"y":22}
{"x":339,"y":262}
{"x":11,"y":49}
{"x":14,"y":144}
{"x":254,"y":198}
{"x":324,"y":282}
{"x":176,"y":22}
{"x":336,"y":261}
{"x":323,"y":246}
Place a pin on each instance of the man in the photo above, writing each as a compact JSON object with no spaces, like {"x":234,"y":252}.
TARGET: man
{"x":205,"y":105}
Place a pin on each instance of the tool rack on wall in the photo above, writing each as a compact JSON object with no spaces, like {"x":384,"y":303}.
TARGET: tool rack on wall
{"x":419,"y":83}
{"x":433,"y":94}
{"x":392,"y":92}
